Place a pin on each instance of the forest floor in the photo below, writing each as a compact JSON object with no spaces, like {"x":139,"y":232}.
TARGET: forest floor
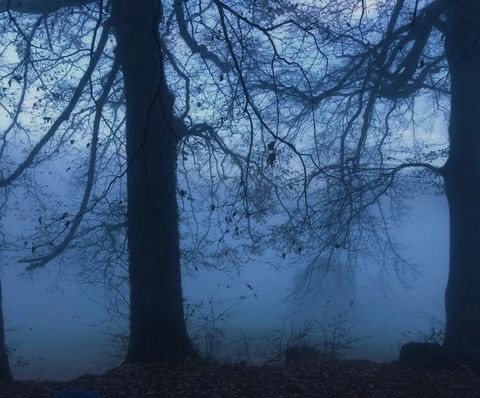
{"x":320,"y":379}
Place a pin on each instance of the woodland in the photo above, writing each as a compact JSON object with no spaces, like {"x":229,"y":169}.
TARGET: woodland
{"x":195,"y":132}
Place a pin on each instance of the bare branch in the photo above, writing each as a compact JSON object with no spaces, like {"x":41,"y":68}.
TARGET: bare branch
{"x":44,"y":260}
{"x":201,"y":49}
{"x":65,"y":114}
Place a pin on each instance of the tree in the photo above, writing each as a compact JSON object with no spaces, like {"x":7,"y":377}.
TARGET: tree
{"x":461,"y":175}
{"x":153,"y":133}
{"x":394,"y":64}
{"x":151,"y":137}
{"x":408,"y":63}
{"x":375,"y":79}
{"x":5,"y":373}
{"x":157,"y":325}
{"x":157,"y":322}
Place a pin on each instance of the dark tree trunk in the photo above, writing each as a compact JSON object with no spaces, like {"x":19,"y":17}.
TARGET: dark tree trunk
{"x":5,"y":374}
{"x":462,"y":176}
{"x":157,"y":324}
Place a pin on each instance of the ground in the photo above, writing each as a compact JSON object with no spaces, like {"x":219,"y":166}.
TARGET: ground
{"x":325,"y":379}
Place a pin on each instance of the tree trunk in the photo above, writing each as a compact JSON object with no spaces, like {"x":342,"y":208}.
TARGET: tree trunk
{"x":5,"y":374}
{"x":157,"y":324}
{"x":462,"y":177}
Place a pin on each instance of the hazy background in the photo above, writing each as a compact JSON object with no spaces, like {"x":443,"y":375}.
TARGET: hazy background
{"x":57,"y":330}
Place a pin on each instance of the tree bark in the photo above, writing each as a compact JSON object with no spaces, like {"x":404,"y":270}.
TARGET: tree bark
{"x":5,"y":373}
{"x":157,"y":324}
{"x":462,"y":177}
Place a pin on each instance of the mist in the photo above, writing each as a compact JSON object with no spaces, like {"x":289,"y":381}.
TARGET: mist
{"x":58,"y":329}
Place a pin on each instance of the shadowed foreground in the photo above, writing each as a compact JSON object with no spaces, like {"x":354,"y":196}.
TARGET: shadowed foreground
{"x":311,"y":379}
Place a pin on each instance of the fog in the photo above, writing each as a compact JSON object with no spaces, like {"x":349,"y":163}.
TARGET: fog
{"x":57,"y":329}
